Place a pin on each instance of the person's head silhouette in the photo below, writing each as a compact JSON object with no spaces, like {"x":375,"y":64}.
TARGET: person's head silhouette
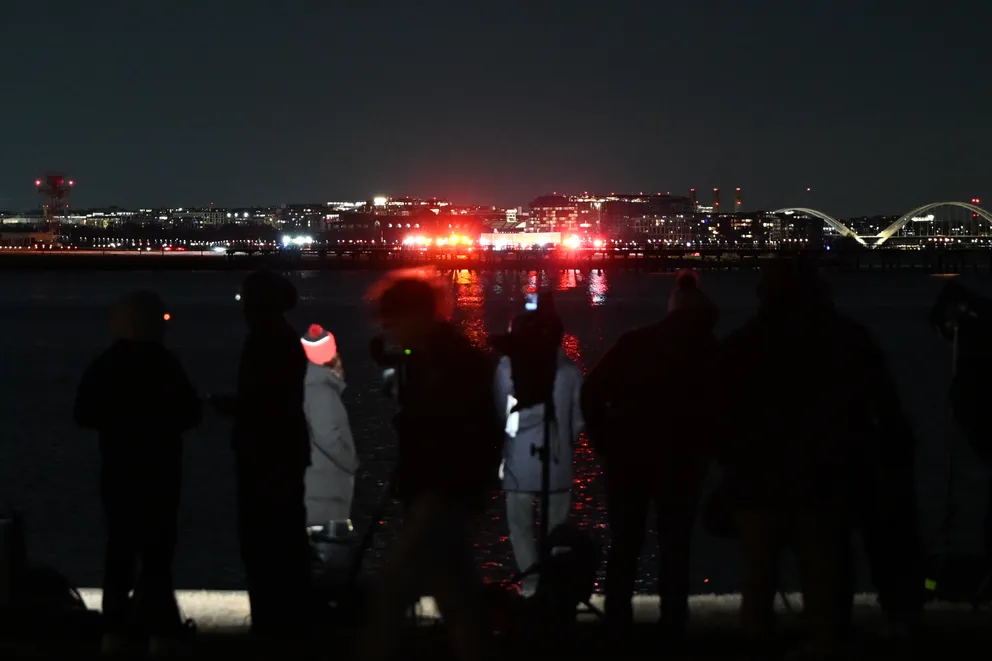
{"x":408,"y":308}
{"x":789,"y":282}
{"x":687,"y":294}
{"x":266,"y":295}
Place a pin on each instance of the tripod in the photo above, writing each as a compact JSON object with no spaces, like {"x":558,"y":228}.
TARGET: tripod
{"x":545,"y":552}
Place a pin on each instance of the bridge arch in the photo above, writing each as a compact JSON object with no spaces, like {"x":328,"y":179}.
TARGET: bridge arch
{"x":842,"y":229}
{"x":891,"y":230}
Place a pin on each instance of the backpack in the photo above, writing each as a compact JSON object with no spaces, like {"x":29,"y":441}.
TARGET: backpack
{"x":38,"y":601}
{"x":43,"y":589}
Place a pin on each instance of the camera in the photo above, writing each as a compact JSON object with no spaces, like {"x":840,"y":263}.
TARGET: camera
{"x":394,"y":362}
{"x":532,"y":345}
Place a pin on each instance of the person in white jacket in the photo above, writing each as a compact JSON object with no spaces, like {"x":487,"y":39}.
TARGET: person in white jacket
{"x":521,"y":469}
{"x":330,"y":479}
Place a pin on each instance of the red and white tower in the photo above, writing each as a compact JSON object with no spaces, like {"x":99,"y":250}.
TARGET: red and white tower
{"x":716,"y":200}
{"x":54,"y":189}
{"x":737,"y":200}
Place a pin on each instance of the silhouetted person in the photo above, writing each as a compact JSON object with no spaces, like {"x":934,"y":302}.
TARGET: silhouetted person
{"x":272,"y":452}
{"x":524,"y":426}
{"x":334,"y":458}
{"x":137,"y":396}
{"x":959,"y":311}
{"x":800,"y":474}
{"x":650,"y":417}
{"x":449,"y":438}
{"x":886,"y":508}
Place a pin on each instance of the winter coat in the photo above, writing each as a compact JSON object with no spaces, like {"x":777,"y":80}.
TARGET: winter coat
{"x":270,"y":430}
{"x":648,"y":404}
{"x":778,"y":371}
{"x":525,"y":429}
{"x":334,"y":459}
{"x":448,"y":431}
{"x":137,"y":396}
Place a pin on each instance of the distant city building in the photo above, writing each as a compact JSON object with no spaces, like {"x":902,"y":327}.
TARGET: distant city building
{"x":618,"y":212}
{"x":606,"y":216}
{"x":754,"y":228}
{"x":198,"y":216}
{"x":554,"y":213}
{"x":676,"y":230}
{"x":308,"y":217}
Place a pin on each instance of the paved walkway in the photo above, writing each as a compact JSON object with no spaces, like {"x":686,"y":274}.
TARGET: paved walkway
{"x":954,"y":632}
{"x":215,"y":610}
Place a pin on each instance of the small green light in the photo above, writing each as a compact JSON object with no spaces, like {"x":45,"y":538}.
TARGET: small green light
{"x":930,"y":584}
{"x":407,"y":351}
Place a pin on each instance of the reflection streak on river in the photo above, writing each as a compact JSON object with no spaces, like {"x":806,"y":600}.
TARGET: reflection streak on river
{"x":470,"y":298}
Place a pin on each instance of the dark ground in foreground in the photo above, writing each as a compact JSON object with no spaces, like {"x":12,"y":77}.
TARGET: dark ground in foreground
{"x":950,"y":634}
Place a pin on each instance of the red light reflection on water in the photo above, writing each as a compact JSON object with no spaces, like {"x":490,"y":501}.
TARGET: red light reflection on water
{"x":470,"y":299}
{"x":532,"y":282}
{"x":570,"y":343}
{"x":585,"y":467}
{"x":598,"y":288}
{"x":566,"y":280}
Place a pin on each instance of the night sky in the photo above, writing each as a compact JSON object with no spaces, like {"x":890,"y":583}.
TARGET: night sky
{"x":877,"y":106}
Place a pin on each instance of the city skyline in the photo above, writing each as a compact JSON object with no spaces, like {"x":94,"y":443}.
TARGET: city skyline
{"x":705,"y":201}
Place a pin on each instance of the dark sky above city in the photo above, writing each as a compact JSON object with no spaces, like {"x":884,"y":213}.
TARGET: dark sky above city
{"x":876,"y":105}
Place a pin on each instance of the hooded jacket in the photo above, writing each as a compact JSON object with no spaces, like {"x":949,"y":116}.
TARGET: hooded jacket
{"x":334,"y":459}
{"x":525,"y":429}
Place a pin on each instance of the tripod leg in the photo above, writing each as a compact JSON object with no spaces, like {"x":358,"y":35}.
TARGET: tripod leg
{"x":520,"y":521}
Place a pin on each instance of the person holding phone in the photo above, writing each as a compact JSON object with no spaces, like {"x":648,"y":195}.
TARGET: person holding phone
{"x":524,"y":427}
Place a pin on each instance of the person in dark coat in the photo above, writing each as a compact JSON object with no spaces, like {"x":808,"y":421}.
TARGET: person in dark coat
{"x":651,"y":420}
{"x":449,"y":441}
{"x":272,"y":452}
{"x":965,"y":318}
{"x":800,"y":472}
{"x":137,"y":396}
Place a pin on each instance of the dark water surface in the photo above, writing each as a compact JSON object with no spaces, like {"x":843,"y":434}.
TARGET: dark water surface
{"x":54,"y":323}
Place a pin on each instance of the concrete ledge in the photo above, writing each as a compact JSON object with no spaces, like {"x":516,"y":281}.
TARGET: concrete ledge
{"x":229,"y":610}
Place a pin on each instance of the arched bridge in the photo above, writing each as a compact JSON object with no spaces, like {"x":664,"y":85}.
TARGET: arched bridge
{"x":892,"y":229}
{"x":829,"y":220}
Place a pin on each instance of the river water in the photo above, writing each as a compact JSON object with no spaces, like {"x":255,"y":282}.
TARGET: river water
{"x":54,"y":323}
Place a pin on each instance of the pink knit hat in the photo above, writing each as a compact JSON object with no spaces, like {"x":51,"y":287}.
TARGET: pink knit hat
{"x":319,"y":345}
